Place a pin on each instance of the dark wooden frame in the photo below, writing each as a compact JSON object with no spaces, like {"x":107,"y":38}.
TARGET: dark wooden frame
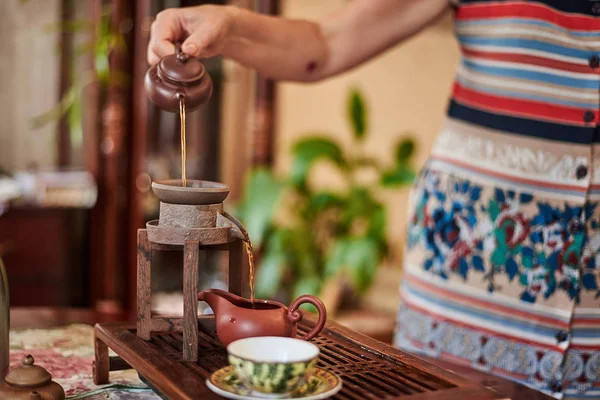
{"x":175,"y":380}
{"x":194,"y":255}
{"x":116,"y":143}
{"x":263,"y":130}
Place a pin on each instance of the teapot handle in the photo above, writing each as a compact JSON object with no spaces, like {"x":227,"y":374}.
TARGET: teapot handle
{"x":295,"y":315}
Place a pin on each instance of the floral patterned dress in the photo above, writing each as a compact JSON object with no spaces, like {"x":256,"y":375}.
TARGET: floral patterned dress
{"x":502,"y":268}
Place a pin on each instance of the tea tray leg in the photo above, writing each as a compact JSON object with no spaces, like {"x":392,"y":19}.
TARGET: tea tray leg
{"x":238,"y":268}
{"x":101,"y":362}
{"x":191,"y":256}
{"x":144,"y":276}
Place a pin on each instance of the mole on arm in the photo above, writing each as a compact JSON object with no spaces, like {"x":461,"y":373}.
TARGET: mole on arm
{"x":311,"y":66}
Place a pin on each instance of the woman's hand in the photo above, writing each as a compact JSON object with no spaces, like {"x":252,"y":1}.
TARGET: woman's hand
{"x":202,"y":29}
{"x":289,"y":49}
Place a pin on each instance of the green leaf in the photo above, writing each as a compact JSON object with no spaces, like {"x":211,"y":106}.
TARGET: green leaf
{"x":302,"y":251}
{"x":83,"y":48}
{"x":103,"y":49}
{"x":269,"y":273}
{"x":402,"y":174}
{"x":377,"y":224}
{"x":260,"y":201}
{"x":359,"y":203}
{"x":53,"y":115}
{"x":368,"y":162}
{"x":359,"y":257}
{"x":404,"y":150}
{"x":307,"y":285}
{"x":66,"y":103}
{"x":336,"y":257}
{"x":357,"y":114}
{"x":72,"y":26}
{"x":362,"y":260}
{"x":75,"y":124}
{"x":101,"y":65}
{"x":319,"y":202}
{"x":309,"y":150}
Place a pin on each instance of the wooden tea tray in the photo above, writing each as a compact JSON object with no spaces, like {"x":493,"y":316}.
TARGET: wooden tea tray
{"x":369,"y":369}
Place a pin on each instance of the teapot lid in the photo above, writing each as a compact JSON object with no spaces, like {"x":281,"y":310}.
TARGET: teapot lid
{"x":181,"y":68}
{"x":28,"y":375}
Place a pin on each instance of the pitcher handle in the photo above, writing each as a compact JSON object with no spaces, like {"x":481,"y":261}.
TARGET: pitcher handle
{"x":295,"y":315}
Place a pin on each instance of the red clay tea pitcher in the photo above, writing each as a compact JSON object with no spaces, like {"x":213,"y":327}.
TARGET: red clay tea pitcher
{"x":239,"y":318}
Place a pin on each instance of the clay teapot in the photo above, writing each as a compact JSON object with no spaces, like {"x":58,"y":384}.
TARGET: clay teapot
{"x":30,"y":382}
{"x":175,"y":76}
{"x":238,"y":318}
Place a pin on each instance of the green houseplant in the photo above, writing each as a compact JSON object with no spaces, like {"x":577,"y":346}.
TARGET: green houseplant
{"x":100,"y":42}
{"x":325,"y":235}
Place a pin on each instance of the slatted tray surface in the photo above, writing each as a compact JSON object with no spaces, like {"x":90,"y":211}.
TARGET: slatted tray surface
{"x":369,"y":369}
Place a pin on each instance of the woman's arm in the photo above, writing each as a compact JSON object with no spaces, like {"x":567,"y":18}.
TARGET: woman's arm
{"x":288,"y":49}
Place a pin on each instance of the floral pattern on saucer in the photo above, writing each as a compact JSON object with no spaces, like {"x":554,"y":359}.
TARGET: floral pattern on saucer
{"x":320,"y":382}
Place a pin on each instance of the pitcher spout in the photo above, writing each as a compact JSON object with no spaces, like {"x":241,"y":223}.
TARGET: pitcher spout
{"x":220,"y":300}
{"x":214,"y":300}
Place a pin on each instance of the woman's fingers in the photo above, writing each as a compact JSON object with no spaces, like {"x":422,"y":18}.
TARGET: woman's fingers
{"x":159,"y":50}
{"x":202,"y":29}
{"x":199,"y":40}
{"x":166,"y":30}
{"x":211,"y":30}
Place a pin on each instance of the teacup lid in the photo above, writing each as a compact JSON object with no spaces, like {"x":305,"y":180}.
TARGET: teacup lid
{"x":181,"y":68}
{"x":28,"y":375}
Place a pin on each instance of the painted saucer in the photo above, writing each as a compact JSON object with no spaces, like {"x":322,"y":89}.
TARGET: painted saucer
{"x":320,"y":385}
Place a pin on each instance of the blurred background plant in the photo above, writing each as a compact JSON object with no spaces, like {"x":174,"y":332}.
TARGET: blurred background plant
{"x":326,"y":236}
{"x":100,"y":42}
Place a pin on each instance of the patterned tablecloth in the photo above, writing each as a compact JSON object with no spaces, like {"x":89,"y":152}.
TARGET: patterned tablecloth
{"x":67,"y":353}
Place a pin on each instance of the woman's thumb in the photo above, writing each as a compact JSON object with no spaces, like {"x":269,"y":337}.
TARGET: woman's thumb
{"x":196,"y":43}
{"x":201,"y":40}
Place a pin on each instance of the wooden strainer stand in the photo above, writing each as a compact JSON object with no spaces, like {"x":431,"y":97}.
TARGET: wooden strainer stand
{"x":191,"y":219}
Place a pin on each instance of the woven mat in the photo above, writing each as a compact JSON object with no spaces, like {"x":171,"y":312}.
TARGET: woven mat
{"x":67,"y":353}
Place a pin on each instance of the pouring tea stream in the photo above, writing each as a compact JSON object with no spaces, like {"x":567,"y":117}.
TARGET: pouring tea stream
{"x":180,"y":83}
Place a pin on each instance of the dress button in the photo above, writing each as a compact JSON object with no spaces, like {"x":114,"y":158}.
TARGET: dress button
{"x":581,"y":172}
{"x":594,"y":61}
{"x":562,"y":336}
{"x":556,"y":386}
{"x":588,"y":116}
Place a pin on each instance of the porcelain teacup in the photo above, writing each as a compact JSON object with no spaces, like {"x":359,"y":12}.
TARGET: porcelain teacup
{"x":272,"y":366}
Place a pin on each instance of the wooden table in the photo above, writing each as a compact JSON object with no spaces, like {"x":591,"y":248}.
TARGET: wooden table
{"x":369,"y":369}
{"x":50,"y":317}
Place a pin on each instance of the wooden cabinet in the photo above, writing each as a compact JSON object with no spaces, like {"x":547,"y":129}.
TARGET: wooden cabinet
{"x":43,"y":250}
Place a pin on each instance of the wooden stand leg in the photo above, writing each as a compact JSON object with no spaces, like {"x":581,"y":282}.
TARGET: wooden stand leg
{"x":191,"y":256}
{"x":238,"y":269}
{"x":144,"y":277}
{"x":101,"y":362}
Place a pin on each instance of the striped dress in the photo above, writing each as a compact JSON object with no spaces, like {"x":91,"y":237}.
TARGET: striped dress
{"x":502,"y":267}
